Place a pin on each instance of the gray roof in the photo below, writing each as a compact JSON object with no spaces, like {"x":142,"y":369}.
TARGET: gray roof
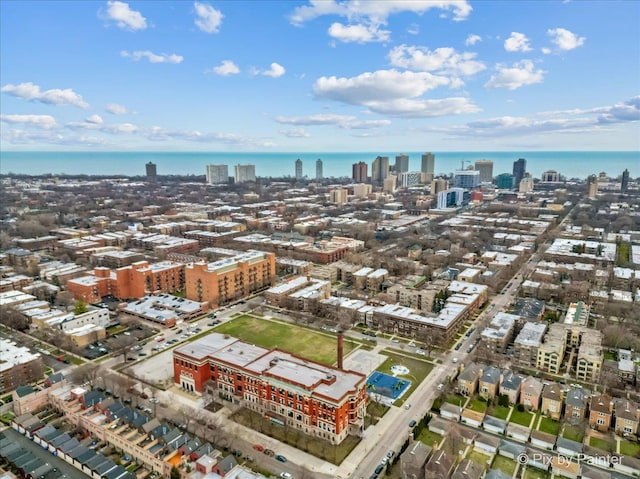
{"x":511,"y":447}
{"x":468,"y":470}
{"x":569,"y":444}
{"x":495,"y":422}
{"x":471,"y":372}
{"x":590,"y":472}
{"x":510,"y":381}
{"x":496,"y":474}
{"x":491,"y":375}
{"x":577,"y":397}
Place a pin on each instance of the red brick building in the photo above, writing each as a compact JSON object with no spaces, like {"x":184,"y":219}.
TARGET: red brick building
{"x":319,"y":400}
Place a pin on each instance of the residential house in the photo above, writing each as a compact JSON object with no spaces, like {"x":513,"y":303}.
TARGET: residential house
{"x":489,"y":382}
{"x":468,"y":379}
{"x":414,"y":459}
{"x":530,"y":392}
{"x":600,"y":412}
{"x":552,"y":401}
{"x":576,"y":404}
{"x":468,"y":469}
{"x":225,"y":465}
{"x":440,"y":464}
{"x":626,"y":418}
{"x":510,"y":386}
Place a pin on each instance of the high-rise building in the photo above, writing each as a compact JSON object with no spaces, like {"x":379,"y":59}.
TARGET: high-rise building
{"x":624,"y":185}
{"x":339,"y":196}
{"x":467,"y":179}
{"x":485,"y":167}
{"x":318,"y":169}
{"x":550,"y":176}
{"x":402,"y":164}
{"x":526,"y":184}
{"x":454,"y":197}
{"x":592,"y":186}
{"x":298,"y":169}
{"x":505,"y":181}
{"x":152,"y":172}
{"x":380,"y":170}
{"x":410,"y":178}
{"x":389,"y":184}
{"x":361,"y":190}
{"x":217,"y":174}
{"x":245,"y":173}
{"x":360,"y":172}
{"x":428,"y":167}
{"x":438,"y":185}
{"x":519,"y":169}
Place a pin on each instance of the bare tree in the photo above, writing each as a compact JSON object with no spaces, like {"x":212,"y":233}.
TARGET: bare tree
{"x":86,"y":373}
{"x":13,"y":318}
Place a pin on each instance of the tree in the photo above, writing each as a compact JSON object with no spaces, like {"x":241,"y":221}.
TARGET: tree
{"x":80,"y":307}
{"x":13,"y":318}
{"x":175,"y":473}
{"x":86,"y":373}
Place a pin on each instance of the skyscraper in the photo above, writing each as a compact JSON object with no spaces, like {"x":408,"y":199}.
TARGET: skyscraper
{"x":298,"y":169}
{"x":217,"y":174}
{"x":152,"y":172}
{"x":380,"y":170}
{"x":360,"y":172}
{"x":245,"y":173}
{"x":624,"y":186}
{"x":485,"y":167}
{"x":519,"y":169}
{"x":318,"y":169}
{"x":592,"y":186}
{"x":504,"y":181}
{"x":428,"y":167}
{"x":402,"y":164}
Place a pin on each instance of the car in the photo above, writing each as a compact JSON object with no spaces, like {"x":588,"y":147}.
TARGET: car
{"x":412,"y":344}
{"x":440,"y":387}
{"x":160,"y":339}
{"x":281,"y":458}
{"x":384,"y":460}
{"x":407,"y":406}
{"x":391,"y":453}
{"x":258,"y":447}
{"x":379,"y":469}
{"x":237,"y":453}
{"x":470,"y":348}
{"x":412,"y":423}
{"x":454,"y":360}
{"x":269,"y":452}
{"x":458,"y":346}
{"x":286,"y":475}
{"x":421,"y":352}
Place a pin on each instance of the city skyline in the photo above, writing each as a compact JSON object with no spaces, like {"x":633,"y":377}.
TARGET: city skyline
{"x":371,"y":75}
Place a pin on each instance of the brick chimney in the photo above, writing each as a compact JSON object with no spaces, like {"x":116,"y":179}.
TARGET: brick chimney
{"x":340,"y":349}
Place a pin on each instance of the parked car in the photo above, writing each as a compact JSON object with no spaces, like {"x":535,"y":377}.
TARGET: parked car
{"x":269,"y":452}
{"x":258,"y":447}
{"x":412,"y":423}
{"x":286,"y":475}
{"x":281,"y":458}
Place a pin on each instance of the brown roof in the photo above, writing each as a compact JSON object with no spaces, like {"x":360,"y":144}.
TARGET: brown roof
{"x":601,"y":403}
{"x":626,"y":409}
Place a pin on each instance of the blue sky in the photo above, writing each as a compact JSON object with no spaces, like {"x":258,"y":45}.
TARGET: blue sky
{"x":406,"y":75}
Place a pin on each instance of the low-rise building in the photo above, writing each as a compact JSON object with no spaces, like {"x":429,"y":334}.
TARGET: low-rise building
{"x":627,"y":417}
{"x":18,"y":366}
{"x":530,"y":392}
{"x":552,"y":401}
{"x":601,"y":412}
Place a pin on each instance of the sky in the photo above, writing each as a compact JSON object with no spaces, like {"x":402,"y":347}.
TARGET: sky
{"x":403,"y":75}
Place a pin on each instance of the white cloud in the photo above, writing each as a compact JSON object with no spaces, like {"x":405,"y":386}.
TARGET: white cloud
{"x":441,"y":60}
{"x":348,"y":122}
{"x":227,"y":67}
{"x":152,"y":57}
{"x":113,"y":129}
{"x":276,"y":70}
{"x":413,"y":29}
{"x":46,"y":122}
{"x":296,"y":133}
{"x":95,"y":119}
{"x":376,"y":12}
{"x":472,"y":39}
{"x":22,"y":137}
{"x":116,"y":109}
{"x":545,"y":50}
{"x":564,"y":39}
{"x":520,"y":74}
{"x":517,"y":42}
{"x":393,"y":93}
{"x":209,"y":19}
{"x":358,"y":33}
{"x":29,"y":91}
{"x":124,"y":17}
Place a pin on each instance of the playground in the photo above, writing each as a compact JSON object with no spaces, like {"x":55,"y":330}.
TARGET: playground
{"x":386,"y":385}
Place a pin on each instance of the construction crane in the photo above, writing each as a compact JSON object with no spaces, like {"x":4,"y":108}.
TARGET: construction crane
{"x":463,"y":162}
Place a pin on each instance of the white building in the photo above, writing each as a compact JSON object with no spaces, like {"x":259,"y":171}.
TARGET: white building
{"x":217,"y":174}
{"x":244,"y":173}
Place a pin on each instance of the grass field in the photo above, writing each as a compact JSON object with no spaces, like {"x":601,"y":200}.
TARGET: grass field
{"x":602,"y":444}
{"x":478,"y":458}
{"x":534,"y":473}
{"x":630,"y":449}
{"x":549,"y":426}
{"x":573,"y":433}
{"x":504,"y":464}
{"x":500,"y":412}
{"x":478,"y":405}
{"x":427,"y":437}
{"x":523,"y":418}
{"x":295,"y":339}
{"x":418,"y":370}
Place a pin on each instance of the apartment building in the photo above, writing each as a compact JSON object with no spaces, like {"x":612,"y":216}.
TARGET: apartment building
{"x":18,"y":366}
{"x":526,"y":344}
{"x":551,"y":350}
{"x":316,"y":399}
{"x":498,"y":334}
{"x":230,"y":279}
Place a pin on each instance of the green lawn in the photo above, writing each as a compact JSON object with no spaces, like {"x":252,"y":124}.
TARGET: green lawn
{"x":523,"y":418}
{"x":549,"y":426}
{"x":478,"y":458}
{"x":610,"y":355}
{"x":427,"y":437}
{"x":573,"y":433}
{"x":305,"y":342}
{"x":534,"y":473}
{"x":602,"y":444}
{"x":418,"y":370}
{"x":504,"y":464}
{"x":630,"y":449}
{"x":477,"y":405}
{"x":500,"y":412}
{"x":455,"y":399}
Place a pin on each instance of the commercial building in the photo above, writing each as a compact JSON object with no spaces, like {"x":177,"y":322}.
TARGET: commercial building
{"x":526,"y":184}
{"x":230,"y":279}
{"x":624,"y":184}
{"x":452,"y":198}
{"x":217,"y":174}
{"x":380,"y":170}
{"x":550,"y":176}
{"x":360,"y":172}
{"x":18,"y":366}
{"x":505,"y":181}
{"x":485,"y":168}
{"x":152,"y":172}
{"x":438,"y":185}
{"x":519,"y":169}
{"x":245,"y":173}
{"x":410,"y":178}
{"x":298,"y":170}
{"x":318,"y":400}
{"x":466,"y":179}
{"x":402,"y":164}
{"x":166,"y":309}
{"x":427,"y":167}
{"x":319,"y":169}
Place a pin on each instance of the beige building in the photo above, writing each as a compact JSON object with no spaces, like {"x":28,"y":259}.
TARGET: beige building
{"x":551,"y":350}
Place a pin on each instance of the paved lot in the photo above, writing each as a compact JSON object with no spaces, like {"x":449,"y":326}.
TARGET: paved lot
{"x":364,"y":362}
{"x":46,"y":456}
